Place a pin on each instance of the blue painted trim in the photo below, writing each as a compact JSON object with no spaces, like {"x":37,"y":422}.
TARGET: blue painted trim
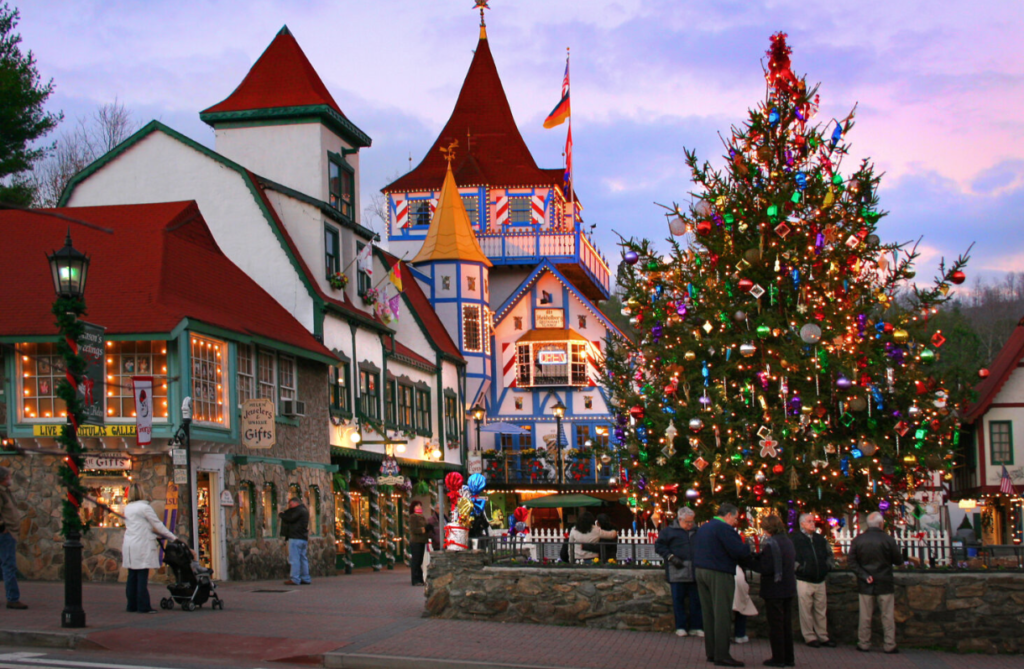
{"x":533,"y":307}
{"x":565,"y":307}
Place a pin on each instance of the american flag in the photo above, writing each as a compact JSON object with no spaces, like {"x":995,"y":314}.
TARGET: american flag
{"x":565,"y":79}
{"x":1005,"y":484}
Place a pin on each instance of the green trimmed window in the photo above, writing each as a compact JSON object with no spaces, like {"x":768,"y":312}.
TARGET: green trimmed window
{"x":369,"y":393}
{"x":451,"y":416}
{"x":390,"y":408}
{"x":423,"y":411}
{"x":405,"y":407}
{"x":332,"y":250}
{"x":341,"y":400}
{"x":1000,"y":434}
{"x":363,"y":280}
{"x":341,"y":184}
{"x":246,"y":518}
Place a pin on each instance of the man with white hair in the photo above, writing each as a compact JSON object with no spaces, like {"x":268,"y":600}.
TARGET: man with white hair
{"x":814,"y":560}
{"x":675,"y":546}
{"x":10,"y":520}
{"x":872,"y":556}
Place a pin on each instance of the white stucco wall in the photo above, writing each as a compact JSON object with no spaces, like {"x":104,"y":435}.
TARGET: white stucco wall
{"x":287,"y":154}
{"x":1012,"y":392}
{"x":159,"y":168}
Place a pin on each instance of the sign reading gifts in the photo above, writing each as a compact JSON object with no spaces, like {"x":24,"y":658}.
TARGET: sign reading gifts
{"x":259,"y":430}
{"x":108,"y":462}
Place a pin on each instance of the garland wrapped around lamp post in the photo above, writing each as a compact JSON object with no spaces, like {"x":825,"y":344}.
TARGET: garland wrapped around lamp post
{"x":69,"y":268}
{"x":392,"y":519}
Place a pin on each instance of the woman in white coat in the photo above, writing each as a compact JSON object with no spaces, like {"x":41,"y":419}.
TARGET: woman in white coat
{"x":140,"y":551}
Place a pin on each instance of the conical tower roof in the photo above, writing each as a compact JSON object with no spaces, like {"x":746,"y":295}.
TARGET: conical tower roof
{"x":450,"y":236}
{"x":482,"y":123}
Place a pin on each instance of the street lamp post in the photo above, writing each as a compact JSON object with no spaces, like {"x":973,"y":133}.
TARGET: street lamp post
{"x":559,"y":411}
{"x":478,"y":416}
{"x":70,"y":269}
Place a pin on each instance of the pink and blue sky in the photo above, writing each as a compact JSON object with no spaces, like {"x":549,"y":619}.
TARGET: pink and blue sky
{"x":940,"y":87}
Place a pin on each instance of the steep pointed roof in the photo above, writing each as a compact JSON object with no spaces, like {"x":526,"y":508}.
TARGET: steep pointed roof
{"x":450,"y":236}
{"x":279,"y":84}
{"x":492,"y":150}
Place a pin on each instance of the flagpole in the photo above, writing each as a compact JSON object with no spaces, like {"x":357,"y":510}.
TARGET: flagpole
{"x":387,"y":274}
{"x":568,"y":158}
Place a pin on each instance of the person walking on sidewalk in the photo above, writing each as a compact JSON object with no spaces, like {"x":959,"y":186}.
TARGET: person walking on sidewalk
{"x":872,"y":556}
{"x":10,"y":520}
{"x":814,"y":560}
{"x":139,"y":550}
{"x":717,"y":551}
{"x":295,"y":530}
{"x":777,"y":566}
{"x":419,"y":536}
{"x":675,"y":546}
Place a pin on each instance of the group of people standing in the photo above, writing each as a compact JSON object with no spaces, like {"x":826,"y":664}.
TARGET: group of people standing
{"x":705,"y":569}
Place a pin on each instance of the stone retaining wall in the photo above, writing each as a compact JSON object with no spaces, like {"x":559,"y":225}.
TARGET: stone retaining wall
{"x":956,"y":611}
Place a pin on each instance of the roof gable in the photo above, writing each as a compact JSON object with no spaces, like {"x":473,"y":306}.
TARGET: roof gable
{"x":546,"y":267}
{"x":281,"y":77}
{"x":493,"y":152}
{"x":1010,"y":356}
{"x":154,"y":271}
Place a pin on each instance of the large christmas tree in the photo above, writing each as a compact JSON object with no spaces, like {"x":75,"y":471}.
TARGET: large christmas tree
{"x":784,"y":355}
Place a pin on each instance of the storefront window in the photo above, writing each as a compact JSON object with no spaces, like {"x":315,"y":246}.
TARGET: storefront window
{"x":41,"y":370}
{"x":551,"y":364}
{"x":268,"y":503}
{"x":246,"y":518}
{"x":208,"y":385}
{"x":126,"y":359}
{"x":109,"y":491}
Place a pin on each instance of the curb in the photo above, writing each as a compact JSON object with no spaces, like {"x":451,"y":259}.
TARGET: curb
{"x":338,"y":660}
{"x":38,"y":639}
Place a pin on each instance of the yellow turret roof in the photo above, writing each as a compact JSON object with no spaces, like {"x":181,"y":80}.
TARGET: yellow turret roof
{"x":450,"y":236}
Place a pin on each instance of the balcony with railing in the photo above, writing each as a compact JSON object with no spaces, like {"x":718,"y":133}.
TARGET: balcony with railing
{"x":526,"y":467}
{"x":573,"y":252}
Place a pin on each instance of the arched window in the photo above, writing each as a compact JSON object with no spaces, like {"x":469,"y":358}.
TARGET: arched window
{"x":313,"y":504}
{"x":268,"y":502}
{"x":246,"y":518}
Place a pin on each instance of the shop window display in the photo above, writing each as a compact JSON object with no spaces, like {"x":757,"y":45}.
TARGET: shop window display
{"x":110,"y":492}
{"x":208,"y":381}
{"x":125,"y":359}
{"x":41,"y":370}
{"x":268,"y":502}
{"x":246,"y":513}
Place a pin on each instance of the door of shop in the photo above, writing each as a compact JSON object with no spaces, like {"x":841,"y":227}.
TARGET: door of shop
{"x":209,"y":528}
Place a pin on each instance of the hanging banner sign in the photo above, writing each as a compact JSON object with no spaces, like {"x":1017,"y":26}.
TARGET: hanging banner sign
{"x":180,"y":476}
{"x":108,"y":462}
{"x":53,"y":430}
{"x":549,"y":318}
{"x":90,"y":347}
{"x":259,"y":430}
{"x":142,"y":387}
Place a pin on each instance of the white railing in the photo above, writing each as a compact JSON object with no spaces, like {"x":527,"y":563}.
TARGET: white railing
{"x":921,"y":545}
{"x":534,"y":244}
{"x":547,"y":543}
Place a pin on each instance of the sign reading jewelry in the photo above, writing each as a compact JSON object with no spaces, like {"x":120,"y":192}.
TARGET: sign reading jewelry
{"x":258,"y":427}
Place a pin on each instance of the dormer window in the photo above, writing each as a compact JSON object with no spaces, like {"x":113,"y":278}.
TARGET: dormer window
{"x":419,"y":213}
{"x":472,"y":204}
{"x":520,"y":211}
{"x":341,"y":185}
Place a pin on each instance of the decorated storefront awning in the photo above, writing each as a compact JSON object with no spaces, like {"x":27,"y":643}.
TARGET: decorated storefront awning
{"x":563,"y":502}
{"x":552,"y":335}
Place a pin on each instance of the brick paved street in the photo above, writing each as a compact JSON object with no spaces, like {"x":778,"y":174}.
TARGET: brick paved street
{"x":375,"y":620}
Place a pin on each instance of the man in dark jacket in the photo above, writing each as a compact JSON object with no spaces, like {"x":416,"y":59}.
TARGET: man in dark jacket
{"x":872,"y":557}
{"x":10,"y":521}
{"x":295,"y":530}
{"x":675,"y":546}
{"x":814,"y":560}
{"x":717,"y":551}
{"x":419,"y":535}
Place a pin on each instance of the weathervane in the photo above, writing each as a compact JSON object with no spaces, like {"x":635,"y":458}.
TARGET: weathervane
{"x":481,"y":5}
{"x":449,"y":153}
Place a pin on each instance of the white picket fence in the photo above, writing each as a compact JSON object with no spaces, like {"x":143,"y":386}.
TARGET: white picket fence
{"x":921,"y":545}
{"x":640,"y":545}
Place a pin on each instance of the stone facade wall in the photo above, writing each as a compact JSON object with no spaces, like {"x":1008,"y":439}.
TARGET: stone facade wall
{"x":37,"y":490}
{"x":957,"y":611}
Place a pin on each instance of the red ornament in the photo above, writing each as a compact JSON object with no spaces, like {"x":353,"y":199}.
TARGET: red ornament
{"x":778,"y":469}
{"x":703,"y":227}
{"x":983,"y":373}
{"x":958,"y":277}
{"x":888,"y":328}
{"x":746,"y":285}
{"x":637,"y":412}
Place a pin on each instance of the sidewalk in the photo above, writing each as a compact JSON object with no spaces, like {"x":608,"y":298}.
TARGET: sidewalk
{"x":369,"y":620}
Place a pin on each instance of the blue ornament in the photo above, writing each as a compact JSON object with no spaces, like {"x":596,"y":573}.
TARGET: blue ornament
{"x":801,"y":180}
{"x":773,"y":116}
{"x":837,"y":134}
{"x":796,"y":278}
{"x":705,"y":372}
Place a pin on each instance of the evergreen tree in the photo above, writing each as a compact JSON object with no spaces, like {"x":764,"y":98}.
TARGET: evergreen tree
{"x":22,"y":117}
{"x":772,"y":344}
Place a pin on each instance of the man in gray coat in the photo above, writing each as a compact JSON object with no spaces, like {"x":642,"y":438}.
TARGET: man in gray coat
{"x":872,"y":556}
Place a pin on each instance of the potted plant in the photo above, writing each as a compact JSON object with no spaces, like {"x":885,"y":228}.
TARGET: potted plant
{"x":371,"y":297}
{"x":338,"y":280}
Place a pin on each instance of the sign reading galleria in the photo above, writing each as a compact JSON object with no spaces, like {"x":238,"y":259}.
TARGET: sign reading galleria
{"x":258,"y":427}
{"x":53,"y":430}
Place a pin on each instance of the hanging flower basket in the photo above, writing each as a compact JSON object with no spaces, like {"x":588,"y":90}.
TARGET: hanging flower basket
{"x":371,"y":296}
{"x":338,"y":280}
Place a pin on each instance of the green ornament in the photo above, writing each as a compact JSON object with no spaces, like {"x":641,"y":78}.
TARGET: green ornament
{"x":653,"y":265}
{"x":736,"y":457}
{"x":927,"y":355}
{"x":837,"y":179}
{"x":728,"y":218}
{"x":773,"y":212}
{"x":796,"y":196}
{"x":763,"y":331}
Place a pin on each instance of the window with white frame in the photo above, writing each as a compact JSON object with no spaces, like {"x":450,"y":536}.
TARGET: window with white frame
{"x":267,"y":375}
{"x":286,"y":377}
{"x":209,"y":388}
{"x":246,"y":373}
{"x":555,"y":363}
{"x":472,"y":204}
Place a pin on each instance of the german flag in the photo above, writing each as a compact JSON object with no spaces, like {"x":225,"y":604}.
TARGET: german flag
{"x":560,"y":113}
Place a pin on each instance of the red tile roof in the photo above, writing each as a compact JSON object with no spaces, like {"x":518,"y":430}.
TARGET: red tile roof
{"x":495,"y":153}
{"x":160,"y":266}
{"x":282,"y":77}
{"x":998,"y":373}
{"x":436,"y":330}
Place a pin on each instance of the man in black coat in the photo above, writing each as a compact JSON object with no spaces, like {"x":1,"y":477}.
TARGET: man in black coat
{"x":872,"y":556}
{"x":814,"y":560}
{"x":675,"y":546}
{"x":295,"y":530}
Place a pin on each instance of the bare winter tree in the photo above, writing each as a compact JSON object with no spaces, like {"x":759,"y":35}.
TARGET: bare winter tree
{"x":77,"y":147}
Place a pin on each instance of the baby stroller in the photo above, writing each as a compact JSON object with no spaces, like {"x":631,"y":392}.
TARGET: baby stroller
{"x":192,"y":583}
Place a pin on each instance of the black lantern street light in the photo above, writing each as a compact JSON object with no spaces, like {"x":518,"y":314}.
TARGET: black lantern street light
{"x":69,"y":269}
{"x":559,"y":411}
{"x":478,"y":416}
